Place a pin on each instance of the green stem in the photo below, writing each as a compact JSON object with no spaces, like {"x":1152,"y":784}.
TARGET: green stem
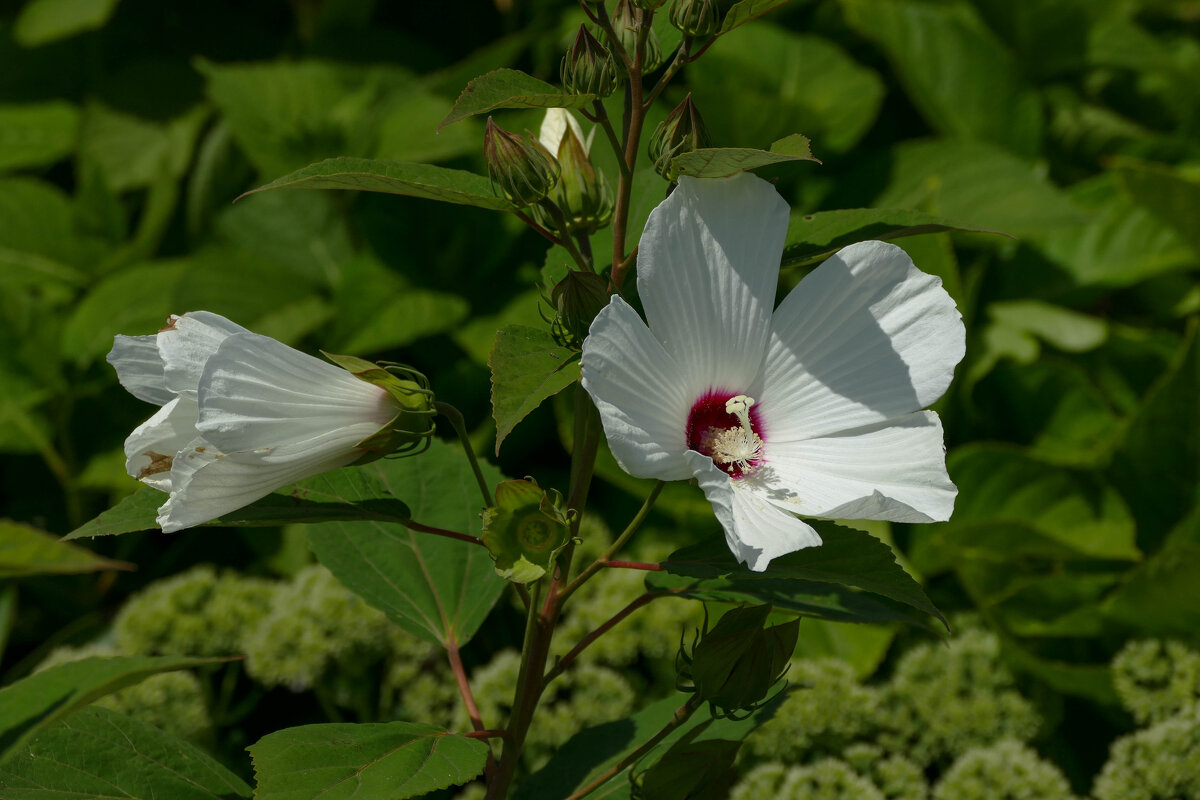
{"x":564,"y":238}
{"x":681,"y":716}
{"x":605,"y":123}
{"x":630,"y":529}
{"x":459,"y":424}
{"x":635,"y":117}
{"x":413,"y":525}
{"x":604,"y":628}
{"x":681,"y":58}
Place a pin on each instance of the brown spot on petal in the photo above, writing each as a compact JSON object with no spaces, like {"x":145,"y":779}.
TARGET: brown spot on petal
{"x":201,"y":449}
{"x":158,"y":463}
{"x":170,"y":323}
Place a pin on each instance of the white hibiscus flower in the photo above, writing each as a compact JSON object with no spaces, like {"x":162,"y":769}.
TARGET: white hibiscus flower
{"x":812,"y":408}
{"x":242,"y":415}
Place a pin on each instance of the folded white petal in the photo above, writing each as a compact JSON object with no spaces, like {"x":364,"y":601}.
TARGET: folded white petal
{"x":207,"y":484}
{"x":864,"y":338}
{"x":186,"y":344}
{"x":554,"y":127}
{"x":639,"y":392}
{"x":893,"y":470}
{"x":755,"y":530}
{"x":140,"y":368}
{"x":707,"y":266}
{"x":262,"y":399}
{"x":153,"y":445}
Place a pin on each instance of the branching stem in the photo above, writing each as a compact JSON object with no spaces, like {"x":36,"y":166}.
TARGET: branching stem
{"x":604,"y":628}
{"x":413,"y":525}
{"x":630,"y":529}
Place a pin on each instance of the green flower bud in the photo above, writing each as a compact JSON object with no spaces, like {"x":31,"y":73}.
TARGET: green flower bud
{"x":588,"y":67}
{"x":696,"y":18}
{"x":738,"y":661}
{"x":648,"y":5}
{"x":518,"y":165}
{"x":577,"y":299}
{"x":627,"y":24}
{"x":583,"y":194}
{"x":681,"y":132}
{"x":525,"y":530}
{"x":411,"y":429}
{"x":690,"y":771}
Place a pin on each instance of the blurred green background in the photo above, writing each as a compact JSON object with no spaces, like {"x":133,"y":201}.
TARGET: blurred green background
{"x":1072,"y":127}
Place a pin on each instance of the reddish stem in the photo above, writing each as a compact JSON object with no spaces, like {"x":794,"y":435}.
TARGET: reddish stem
{"x":465,"y":537}
{"x":464,"y":688}
{"x":633,"y":565}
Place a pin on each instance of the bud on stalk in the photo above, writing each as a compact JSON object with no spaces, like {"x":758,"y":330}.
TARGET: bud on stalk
{"x":696,"y":18}
{"x":577,"y":299}
{"x":738,"y":661}
{"x":627,"y":23}
{"x":518,"y":165}
{"x":588,"y":67}
{"x":525,"y":530}
{"x":582,"y":193}
{"x":681,"y":132}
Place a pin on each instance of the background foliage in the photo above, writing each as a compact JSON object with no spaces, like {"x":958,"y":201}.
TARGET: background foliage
{"x":128,"y":128}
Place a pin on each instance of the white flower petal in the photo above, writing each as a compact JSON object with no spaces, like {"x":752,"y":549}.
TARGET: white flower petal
{"x":261,"y":398}
{"x":151,"y":448}
{"x":755,"y":530}
{"x":554,"y":127}
{"x":894,"y":470}
{"x":864,"y":338}
{"x":140,"y":368}
{"x":639,"y":392}
{"x":707,"y":266}
{"x":207,"y":484}
{"x":186,"y":344}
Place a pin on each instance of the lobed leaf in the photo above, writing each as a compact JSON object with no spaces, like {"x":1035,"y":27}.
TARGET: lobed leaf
{"x":381,"y":761}
{"x":97,"y":753}
{"x":394,"y":177}
{"x":527,"y":366}
{"x":510,"y":88}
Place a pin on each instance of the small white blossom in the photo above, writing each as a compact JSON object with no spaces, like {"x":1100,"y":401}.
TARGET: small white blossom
{"x":242,"y":415}
{"x":555,"y":125}
{"x":811,"y":408}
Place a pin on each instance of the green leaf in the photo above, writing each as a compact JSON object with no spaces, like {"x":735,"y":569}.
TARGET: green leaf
{"x":25,"y":550}
{"x":1158,"y":597}
{"x":135,"y":299}
{"x":847,"y":557}
{"x":978,"y":185}
{"x":38,"y":243}
{"x":32,"y":704}
{"x":593,"y":750}
{"x":1172,"y":198}
{"x":44,"y":21}
{"x":759,"y":85}
{"x":353,"y":493}
{"x":432,"y":586}
{"x":721,"y":162}
{"x":964,"y":81}
{"x":1012,"y":506}
{"x":37,"y":134}
{"x":8,"y":613}
{"x":813,"y":237}
{"x":1067,"y":330}
{"x":527,"y":367}
{"x":99,"y":753}
{"x":510,"y":88}
{"x":394,"y":177}
{"x":744,"y":11}
{"x":134,"y":153}
{"x":381,"y":761}
{"x":411,"y":315}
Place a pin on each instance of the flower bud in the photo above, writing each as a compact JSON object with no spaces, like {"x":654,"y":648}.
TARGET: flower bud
{"x":681,"y":132}
{"x":518,"y":165}
{"x":738,"y":661}
{"x":627,"y":24}
{"x":411,"y":429}
{"x":582,"y":193}
{"x":525,"y":530}
{"x":588,"y":67}
{"x":696,"y":18}
{"x":690,"y":770}
{"x":577,"y":299}
{"x":648,"y":5}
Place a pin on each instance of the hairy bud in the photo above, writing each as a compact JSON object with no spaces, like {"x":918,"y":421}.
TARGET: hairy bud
{"x":588,"y":67}
{"x":627,"y":23}
{"x":519,"y":166}
{"x":525,"y":530}
{"x":696,"y":18}
{"x":681,"y":132}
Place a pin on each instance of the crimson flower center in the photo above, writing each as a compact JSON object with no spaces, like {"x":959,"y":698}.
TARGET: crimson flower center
{"x":725,"y":427}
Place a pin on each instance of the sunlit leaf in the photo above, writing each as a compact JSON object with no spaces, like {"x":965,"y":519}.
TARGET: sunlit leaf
{"x":510,"y":88}
{"x":812,"y":237}
{"x":527,"y":367}
{"x":721,"y":162}
{"x":25,"y":550}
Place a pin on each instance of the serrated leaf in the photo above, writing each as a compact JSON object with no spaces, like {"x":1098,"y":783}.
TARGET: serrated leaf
{"x":394,"y":177}
{"x":721,"y":162}
{"x":812,"y":237}
{"x":25,"y":550}
{"x":99,"y":753}
{"x":381,"y":761}
{"x":35,"y":134}
{"x":746,"y":10}
{"x":847,"y":558}
{"x":510,"y":88}
{"x":32,"y":704}
{"x":354,"y":493}
{"x":432,"y":586}
{"x":527,"y":367}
